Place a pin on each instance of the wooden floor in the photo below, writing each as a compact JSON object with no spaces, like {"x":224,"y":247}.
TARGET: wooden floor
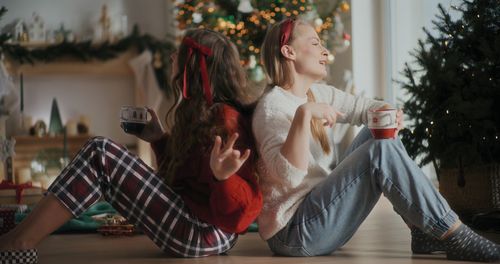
{"x":383,"y":238}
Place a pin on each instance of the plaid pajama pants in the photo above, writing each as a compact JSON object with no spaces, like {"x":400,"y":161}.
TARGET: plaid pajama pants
{"x":103,"y":168}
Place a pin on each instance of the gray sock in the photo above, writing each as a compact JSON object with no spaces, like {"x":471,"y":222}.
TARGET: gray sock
{"x":422,"y":243}
{"x":465,"y":244}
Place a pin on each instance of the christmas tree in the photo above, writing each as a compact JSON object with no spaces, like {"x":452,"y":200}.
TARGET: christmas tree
{"x":454,"y":89}
{"x":245,"y":22}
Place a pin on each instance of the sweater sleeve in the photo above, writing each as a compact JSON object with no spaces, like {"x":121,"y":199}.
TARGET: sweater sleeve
{"x":236,"y":202}
{"x":271,"y":128}
{"x":159,"y":146}
{"x":354,"y":107}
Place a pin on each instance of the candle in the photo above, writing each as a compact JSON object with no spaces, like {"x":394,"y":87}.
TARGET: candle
{"x":22,"y":92}
{"x":65,"y":144}
{"x":23,"y":175}
{"x":71,"y":128}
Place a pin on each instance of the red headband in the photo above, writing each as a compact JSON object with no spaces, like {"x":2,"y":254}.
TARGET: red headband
{"x":203,"y":51}
{"x":286,"y":31}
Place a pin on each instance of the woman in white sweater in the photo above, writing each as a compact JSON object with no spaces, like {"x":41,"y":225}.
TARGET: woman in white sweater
{"x":314,"y":203}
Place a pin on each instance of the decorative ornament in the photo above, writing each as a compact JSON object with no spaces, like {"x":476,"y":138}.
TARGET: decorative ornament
{"x":39,"y":129}
{"x":61,"y":34}
{"x":105,"y":24}
{"x":331,"y":58}
{"x":344,"y":7}
{"x":36,"y":30}
{"x":252,"y":62}
{"x":245,"y":6}
{"x":55,"y":125}
{"x":157,"y":62}
{"x":19,"y":30}
{"x":318,"y":22}
{"x":6,"y":148}
{"x":197,"y":18}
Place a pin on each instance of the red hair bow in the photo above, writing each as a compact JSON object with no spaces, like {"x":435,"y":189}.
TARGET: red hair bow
{"x":203,"y":51}
{"x":286,"y":31}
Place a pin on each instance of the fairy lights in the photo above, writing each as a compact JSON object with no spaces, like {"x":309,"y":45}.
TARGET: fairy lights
{"x":247,"y":29}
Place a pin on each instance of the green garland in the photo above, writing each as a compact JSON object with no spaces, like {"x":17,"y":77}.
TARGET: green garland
{"x":86,"y":51}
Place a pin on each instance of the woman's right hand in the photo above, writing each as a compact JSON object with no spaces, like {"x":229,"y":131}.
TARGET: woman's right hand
{"x":322,"y":111}
{"x":153,"y":129}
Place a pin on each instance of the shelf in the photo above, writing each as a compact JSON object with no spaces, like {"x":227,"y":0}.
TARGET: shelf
{"x":118,"y":66}
{"x":27,"y":147}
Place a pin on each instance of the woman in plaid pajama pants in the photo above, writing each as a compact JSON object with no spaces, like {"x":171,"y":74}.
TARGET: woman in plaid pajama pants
{"x":205,"y":191}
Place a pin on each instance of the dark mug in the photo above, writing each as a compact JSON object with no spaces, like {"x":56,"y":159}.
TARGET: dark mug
{"x":133,"y":119}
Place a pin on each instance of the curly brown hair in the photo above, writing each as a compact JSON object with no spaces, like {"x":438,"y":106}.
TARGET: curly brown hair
{"x":195,"y":121}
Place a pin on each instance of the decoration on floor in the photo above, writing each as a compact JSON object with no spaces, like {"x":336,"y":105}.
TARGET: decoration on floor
{"x":114,"y":225}
{"x":246,"y":25}
{"x":55,"y":125}
{"x":86,"y":51}
{"x":453,"y":105}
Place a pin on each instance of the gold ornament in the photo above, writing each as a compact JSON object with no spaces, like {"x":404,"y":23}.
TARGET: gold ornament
{"x":344,"y":6}
{"x":105,"y":23}
{"x":157,"y":63}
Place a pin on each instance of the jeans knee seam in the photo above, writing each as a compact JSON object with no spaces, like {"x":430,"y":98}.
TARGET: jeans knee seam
{"x":333,"y":201}
{"x":422,"y":213}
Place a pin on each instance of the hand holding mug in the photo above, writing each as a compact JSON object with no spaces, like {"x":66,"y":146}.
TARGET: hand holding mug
{"x":135,"y":121}
{"x":384,"y":122}
{"x":400,"y":120}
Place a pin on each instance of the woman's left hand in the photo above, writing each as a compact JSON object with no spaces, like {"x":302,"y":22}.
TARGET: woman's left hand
{"x":225,"y":160}
{"x":400,"y":120}
{"x":399,"y":117}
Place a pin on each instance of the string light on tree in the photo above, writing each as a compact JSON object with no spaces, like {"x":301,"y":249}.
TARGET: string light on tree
{"x":246,"y":25}
{"x":454,"y":83}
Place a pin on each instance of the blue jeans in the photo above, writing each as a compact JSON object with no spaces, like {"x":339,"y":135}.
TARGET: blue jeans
{"x":332,"y":212}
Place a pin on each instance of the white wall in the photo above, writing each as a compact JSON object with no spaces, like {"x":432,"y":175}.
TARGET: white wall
{"x":98,"y":97}
{"x":383,"y":33}
{"x":367,"y":47}
{"x":409,"y":19}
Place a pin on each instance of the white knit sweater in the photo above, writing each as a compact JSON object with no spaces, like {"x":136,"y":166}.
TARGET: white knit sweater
{"x":283,"y":185}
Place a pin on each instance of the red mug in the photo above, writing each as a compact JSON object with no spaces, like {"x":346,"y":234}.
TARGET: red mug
{"x":382,"y":123}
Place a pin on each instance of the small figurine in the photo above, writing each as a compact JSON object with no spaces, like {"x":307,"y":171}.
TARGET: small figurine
{"x":105,"y":24}
{"x":36,"y":29}
{"x":19,"y":30}
{"x":39,"y":129}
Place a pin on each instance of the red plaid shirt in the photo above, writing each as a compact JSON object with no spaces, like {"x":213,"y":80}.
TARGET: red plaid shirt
{"x":232,"y":204}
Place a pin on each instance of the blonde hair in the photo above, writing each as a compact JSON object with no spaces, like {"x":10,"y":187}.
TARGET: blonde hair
{"x":279,"y":73}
